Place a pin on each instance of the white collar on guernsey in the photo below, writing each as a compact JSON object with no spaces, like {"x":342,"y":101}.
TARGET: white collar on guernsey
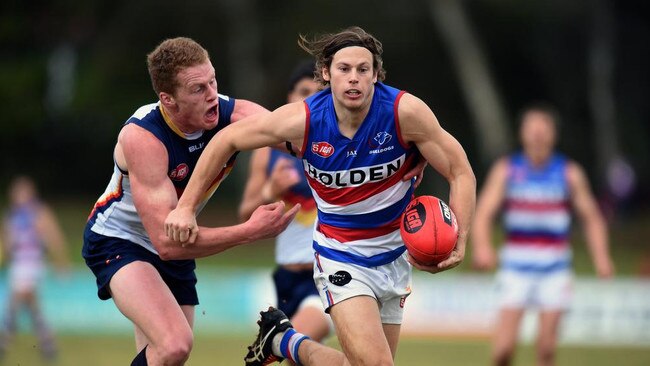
{"x":194,"y":135}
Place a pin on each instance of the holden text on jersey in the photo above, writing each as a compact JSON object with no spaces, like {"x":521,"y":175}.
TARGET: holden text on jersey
{"x":354,"y":176}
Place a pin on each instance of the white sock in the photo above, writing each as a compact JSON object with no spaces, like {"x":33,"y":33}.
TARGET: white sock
{"x":275,"y":344}
{"x":287,"y":344}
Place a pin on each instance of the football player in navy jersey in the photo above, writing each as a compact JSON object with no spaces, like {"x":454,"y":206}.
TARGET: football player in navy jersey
{"x":150,"y":277}
{"x":357,"y":138}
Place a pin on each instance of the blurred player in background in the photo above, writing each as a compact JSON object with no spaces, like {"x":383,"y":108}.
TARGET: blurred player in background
{"x":358,"y":138}
{"x":277,"y":175}
{"x":30,"y":228}
{"x":151,"y":278}
{"x":536,"y":188}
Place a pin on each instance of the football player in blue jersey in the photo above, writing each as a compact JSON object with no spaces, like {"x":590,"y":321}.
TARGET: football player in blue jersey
{"x":357,"y":138}
{"x":30,"y":230}
{"x":536,"y":188}
{"x":150,"y":277}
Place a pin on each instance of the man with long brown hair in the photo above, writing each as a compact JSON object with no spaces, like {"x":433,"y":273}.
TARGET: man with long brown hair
{"x":357,"y":138}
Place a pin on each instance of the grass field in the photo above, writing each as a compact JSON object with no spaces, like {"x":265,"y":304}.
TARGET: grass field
{"x":211,"y":351}
{"x":628,"y":250}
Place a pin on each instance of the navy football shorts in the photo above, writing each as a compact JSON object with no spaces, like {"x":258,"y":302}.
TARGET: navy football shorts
{"x":292,"y":288}
{"x":105,"y":255}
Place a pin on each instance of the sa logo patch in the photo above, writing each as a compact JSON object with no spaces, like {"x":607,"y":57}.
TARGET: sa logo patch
{"x":323,"y":148}
{"x":180,"y":172}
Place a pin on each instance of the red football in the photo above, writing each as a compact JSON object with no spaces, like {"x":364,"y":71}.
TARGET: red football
{"x":429,"y":229}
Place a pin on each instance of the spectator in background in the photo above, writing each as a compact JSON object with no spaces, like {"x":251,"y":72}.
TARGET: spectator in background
{"x":277,"y":175}
{"x":29,"y":228}
{"x":536,"y":187}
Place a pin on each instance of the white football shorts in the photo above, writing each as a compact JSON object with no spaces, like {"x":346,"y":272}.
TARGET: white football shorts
{"x":389,"y":284}
{"x":543,"y":291}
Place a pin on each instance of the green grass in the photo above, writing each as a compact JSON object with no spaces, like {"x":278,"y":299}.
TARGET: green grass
{"x":210,"y":351}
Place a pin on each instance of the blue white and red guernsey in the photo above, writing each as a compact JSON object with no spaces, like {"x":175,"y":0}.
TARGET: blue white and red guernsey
{"x":114,"y":214}
{"x":24,"y":243}
{"x":357,"y":183}
{"x":537,"y":217}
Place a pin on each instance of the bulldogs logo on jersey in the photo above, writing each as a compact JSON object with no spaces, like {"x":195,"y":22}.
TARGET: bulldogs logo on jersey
{"x":383,"y":137}
{"x":379,"y":139}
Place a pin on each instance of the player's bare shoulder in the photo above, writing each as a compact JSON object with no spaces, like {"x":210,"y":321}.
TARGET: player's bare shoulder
{"x":576,"y":177}
{"x":574,"y":171}
{"x":416,"y":119}
{"x":135,"y":143}
{"x":501,"y":166}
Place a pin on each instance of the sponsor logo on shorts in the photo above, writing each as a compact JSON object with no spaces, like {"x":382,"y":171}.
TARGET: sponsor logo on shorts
{"x":180,"y":172}
{"x":340,"y":278}
{"x":414,"y":217}
{"x":402,"y":301}
{"x":323,"y":148}
{"x":446,"y":212}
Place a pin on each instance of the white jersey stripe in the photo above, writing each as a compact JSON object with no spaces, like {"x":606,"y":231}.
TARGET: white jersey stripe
{"x":374,"y":203}
{"x":556,"y":221}
{"x":522,"y":254}
{"x":365,"y":247}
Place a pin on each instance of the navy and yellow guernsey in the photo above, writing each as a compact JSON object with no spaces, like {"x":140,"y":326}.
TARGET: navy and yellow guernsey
{"x":114,"y":213}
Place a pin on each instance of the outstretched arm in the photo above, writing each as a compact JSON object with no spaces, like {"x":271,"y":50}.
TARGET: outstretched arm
{"x":154,"y":197}
{"x":442,"y":151}
{"x":287,"y":123}
{"x":593,"y":222}
{"x":245,"y":108}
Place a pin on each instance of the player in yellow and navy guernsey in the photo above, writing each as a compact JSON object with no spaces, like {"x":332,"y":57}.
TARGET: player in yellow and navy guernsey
{"x":151,"y":278}
{"x":536,"y":188}
{"x":357,"y":139}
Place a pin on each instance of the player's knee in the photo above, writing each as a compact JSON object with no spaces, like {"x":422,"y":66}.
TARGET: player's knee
{"x":176,"y":348}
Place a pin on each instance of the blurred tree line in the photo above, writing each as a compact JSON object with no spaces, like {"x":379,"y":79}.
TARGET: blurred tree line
{"x":71,"y":72}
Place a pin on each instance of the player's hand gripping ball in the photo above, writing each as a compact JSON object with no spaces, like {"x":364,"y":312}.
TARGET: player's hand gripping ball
{"x":429,"y":230}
